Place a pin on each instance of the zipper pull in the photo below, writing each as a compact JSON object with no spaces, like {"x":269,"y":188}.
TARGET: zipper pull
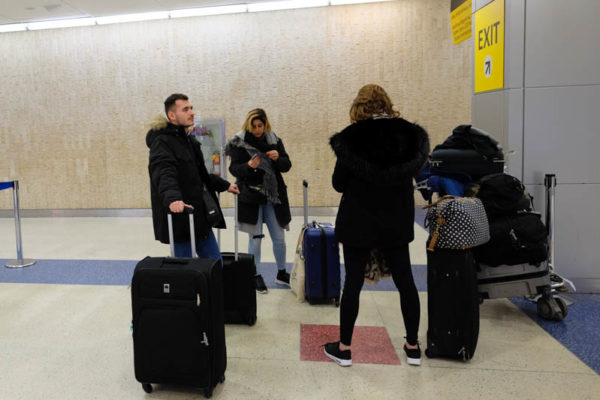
{"x":205,"y":339}
{"x":198,"y":300}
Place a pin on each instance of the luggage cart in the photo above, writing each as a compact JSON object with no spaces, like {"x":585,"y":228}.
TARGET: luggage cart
{"x":540,"y":283}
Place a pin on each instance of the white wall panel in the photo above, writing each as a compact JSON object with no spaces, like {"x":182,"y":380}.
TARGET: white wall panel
{"x":577,"y":233}
{"x":562,"y":134}
{"x":562,"y":46}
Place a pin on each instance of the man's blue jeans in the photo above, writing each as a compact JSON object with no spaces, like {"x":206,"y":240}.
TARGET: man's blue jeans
{"x":205,"y":248}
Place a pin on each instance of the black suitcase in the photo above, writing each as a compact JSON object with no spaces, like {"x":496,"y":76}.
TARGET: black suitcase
{"x":178,"y":328}
{"x":452,"y":304}
{"x":239,"y":290}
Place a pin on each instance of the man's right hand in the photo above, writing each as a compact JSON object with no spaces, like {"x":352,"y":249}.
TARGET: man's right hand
{"x":178,"y":206}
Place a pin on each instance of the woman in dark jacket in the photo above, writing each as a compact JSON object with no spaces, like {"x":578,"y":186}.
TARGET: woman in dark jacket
{"x":258,"y":159}
{"x":377,"y":156}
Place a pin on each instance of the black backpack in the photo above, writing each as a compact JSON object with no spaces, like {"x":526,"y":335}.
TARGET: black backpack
{"x":515,"y":239}
{"x":503,"y":194}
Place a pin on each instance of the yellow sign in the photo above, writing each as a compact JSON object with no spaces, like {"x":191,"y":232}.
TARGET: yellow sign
{"x":460,"y":19}
{"x":489,"y":47}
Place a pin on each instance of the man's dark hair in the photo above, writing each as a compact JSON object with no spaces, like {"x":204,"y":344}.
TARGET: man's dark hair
{"x":170,"y":101}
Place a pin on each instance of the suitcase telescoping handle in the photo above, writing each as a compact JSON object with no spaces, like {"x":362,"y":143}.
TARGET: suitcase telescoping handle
{"x":190,"y":212}
{"x":235,"y":224}
{"x":305,"y":196}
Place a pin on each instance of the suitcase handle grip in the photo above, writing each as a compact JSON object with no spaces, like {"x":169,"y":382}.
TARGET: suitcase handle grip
{"x":190,"y":212}
{"x":305,"y":201}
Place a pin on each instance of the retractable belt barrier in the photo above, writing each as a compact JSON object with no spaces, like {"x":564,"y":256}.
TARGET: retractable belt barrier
{"x":20,"y":262}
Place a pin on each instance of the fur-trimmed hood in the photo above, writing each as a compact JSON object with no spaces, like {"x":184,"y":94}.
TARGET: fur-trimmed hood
{"x":158,"y":126}
{"x":383,"y":150}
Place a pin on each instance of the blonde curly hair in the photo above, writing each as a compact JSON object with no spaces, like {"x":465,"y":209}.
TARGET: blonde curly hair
{"x":370,"y":101}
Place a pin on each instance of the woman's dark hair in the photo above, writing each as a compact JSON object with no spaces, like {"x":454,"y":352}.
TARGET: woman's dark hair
{"x":259,"y":114}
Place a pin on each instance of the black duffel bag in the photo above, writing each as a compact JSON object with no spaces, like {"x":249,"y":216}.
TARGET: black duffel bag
{"x":503,"y":194}
{"x":515,"y":239}
{"x":470,"y":151}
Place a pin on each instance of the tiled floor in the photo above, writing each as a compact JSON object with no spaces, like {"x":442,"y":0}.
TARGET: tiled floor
{"x":65,"y":331}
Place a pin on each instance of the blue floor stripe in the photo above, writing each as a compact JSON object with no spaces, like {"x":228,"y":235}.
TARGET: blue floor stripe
{"x":579,"y":331}
{"x":76,"y":272}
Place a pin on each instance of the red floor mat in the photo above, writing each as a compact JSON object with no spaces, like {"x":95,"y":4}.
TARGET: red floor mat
{"x":370,"y":344}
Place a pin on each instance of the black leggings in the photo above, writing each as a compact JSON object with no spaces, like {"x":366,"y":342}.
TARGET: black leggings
{"x":398,"y":260}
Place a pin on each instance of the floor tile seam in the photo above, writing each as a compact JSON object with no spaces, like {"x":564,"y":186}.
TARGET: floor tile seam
{"x":561,"y":372}
{"x":289,"y":360}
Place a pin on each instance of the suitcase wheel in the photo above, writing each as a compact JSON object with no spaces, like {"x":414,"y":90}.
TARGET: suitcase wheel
{"x":553,"y":309}
{"x":222,"y":379}
{"x":147,"y":387}
{"x":208,"y":391}
{"x":563,"y":306}
{"x":337,"y":301}
{"x":251,"y":320}
{"x":428,"y":353}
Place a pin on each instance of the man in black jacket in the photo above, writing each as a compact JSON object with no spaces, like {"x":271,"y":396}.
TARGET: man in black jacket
{"x":177,"y":180}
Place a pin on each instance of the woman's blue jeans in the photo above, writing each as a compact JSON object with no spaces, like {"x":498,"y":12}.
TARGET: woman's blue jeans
{"x":266,"y":213}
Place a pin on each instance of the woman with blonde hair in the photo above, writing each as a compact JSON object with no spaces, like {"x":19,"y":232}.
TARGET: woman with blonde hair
{"x":377,"y":156}
{"x":258,"y":158}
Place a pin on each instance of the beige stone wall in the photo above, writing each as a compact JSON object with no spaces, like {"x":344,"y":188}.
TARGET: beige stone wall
{"x":75,"y":101}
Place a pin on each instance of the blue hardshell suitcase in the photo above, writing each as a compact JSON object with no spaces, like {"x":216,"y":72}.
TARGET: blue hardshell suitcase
{"x":322,"y":260}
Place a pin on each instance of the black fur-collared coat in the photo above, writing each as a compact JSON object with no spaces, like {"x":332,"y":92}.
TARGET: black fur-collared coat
{"x":177,"y":172}
{"x":376,"y":162}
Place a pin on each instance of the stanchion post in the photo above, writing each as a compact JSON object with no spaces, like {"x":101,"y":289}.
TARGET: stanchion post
{"x":20,"y":262}
{"x":550,"y":185}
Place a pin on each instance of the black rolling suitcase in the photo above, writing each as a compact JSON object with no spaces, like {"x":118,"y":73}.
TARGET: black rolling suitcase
{"x":452,"y":304}
{"x":178,"y":329}
{"x":239,"y":290}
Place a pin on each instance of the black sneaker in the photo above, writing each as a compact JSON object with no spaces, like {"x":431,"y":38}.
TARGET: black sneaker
{"x":342,"y":357}
{"x":259,"y":284}
{"x":283,"y":278}
{"x":413,"y":356}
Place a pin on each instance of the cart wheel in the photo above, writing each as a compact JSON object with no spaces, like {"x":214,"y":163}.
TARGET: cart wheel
{"x":564,"y":309}
{"x":147,"y":387}
{"x":222,"y":379}
{"x":544,"y":308}
{"x":208,"y":391}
